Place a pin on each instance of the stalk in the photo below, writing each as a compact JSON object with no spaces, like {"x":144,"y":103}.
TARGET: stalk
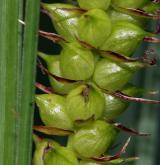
{"x":17,"y":77}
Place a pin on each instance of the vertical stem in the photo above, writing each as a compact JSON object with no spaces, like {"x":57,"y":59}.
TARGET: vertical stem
{"x":8,"y":79}
{"x":27,"y":73}
{"x":17,"y":78}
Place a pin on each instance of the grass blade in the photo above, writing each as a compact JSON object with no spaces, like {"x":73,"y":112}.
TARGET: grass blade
{"x":17,"y":78}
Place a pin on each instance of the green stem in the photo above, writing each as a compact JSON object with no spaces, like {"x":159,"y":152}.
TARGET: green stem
{"x":17,"y":77}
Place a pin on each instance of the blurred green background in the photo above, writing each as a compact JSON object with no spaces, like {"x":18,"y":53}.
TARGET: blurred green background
{"x":143,"y":117}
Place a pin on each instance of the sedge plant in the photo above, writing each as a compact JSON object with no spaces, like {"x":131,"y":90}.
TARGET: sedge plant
{"x":90,"y":78}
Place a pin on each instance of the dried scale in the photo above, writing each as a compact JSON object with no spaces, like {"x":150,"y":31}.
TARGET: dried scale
{"x":90,"y":78}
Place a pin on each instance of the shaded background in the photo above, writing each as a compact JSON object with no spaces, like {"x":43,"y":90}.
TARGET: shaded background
{"x":143,"y":117}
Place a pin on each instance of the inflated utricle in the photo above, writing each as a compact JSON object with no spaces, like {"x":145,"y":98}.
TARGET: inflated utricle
{"x":94,"y":27}
{"x":85,"y":102}
{"x":74,"y":59}
{"x":57,"y":82}
{"x":90,"y":77}
{"x":101,"y":4}
{"x":50,"y":152}
{"x":108,"y":73}
{"x":64,"y":18}
{"x":99,"y":136}
{"x":125,"y":38}
{"x":52,"y":111}
{"x":130,"y":3}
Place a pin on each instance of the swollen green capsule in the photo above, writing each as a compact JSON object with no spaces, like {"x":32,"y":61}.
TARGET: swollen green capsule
{"x":115,"y":106}
{"x":53,"y":64}
{"x":84,"y":102}
{"x":141,"y":20}
{"x":64,"y":18}
{"x":96,"y":163}
{"x":124,"y":39}
{"x":118,"y":16}
{"x":94,"y":27}
{"x":101,"y":4}
{"x":93,"y":139}
{"x":59,"y":155}
{"x":39,"y":152}
{"x":130,"y":3}
{"x":76,"y":62}
{"x":117,"y":161}
{"x":151,"y":7}
{"x":52,"y":111}
{"x":112,"y":75}
{"x":83,"y":162}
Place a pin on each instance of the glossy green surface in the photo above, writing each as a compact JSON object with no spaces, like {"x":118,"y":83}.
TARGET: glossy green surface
{"x":93,"y":139}
{"x":119,"y":161}
{"x":91,"y":26}
{"x":130,"y":3}
{"x":117,"y":16}
{"x":57,"y":12}
{"x":64,"y":21}
{"x":62,"y":87}
{"x":50,"y":152}
{"x":124,"y":39}
{"x":115,"y":106}
{"x":53,"y":64}
{"x":88,"y":163}
{"x":108,"y":74}
{"x":81,"y":106}
{"x":76,"y":62}
{"x":59,"y":155}
{"x":52,"y":111}
{"x":39,"y":153}
{"x":101,"y":4}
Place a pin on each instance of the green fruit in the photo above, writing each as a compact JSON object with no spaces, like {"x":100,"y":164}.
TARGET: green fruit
{"x":94,"y":27}
{"x":85,"y":102}
{"x":53,"y":64}
{"x":58,"y":12}
{"x":62,"y":87}
{"x":96,"y":163}
{"x":124,"y":39}
{"x":101,"y":4}
{"x":151,"y":7}
{"x":93,"y":139}
{"x":88,"y":163}
{"x":64,"y":21}
{"x":52,"y":111}
{"x":117,"y":161}
{"x":115,"y":106}
{"x":59,"y":155}
{"x":118,"y":16}
{"x":39,"y":152}
{"x":112,"y":75}
{"x":130,"y":3}
{"x":76,"y":62}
